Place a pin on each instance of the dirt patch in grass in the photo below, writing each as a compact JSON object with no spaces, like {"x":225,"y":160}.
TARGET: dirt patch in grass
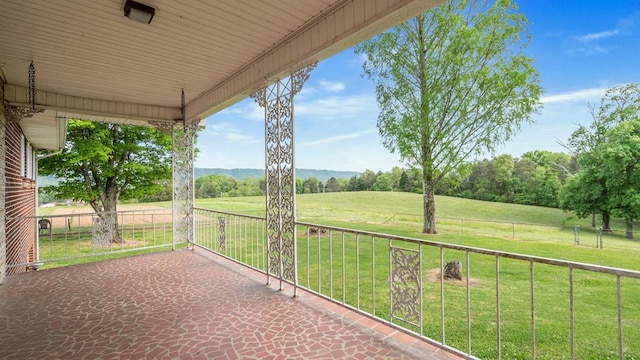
{"x":71,"y":217}
{"x":433,"y":275}
{"x":75,"y":210}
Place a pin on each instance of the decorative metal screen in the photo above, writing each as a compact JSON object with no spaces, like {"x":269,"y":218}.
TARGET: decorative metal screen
{"x":103,"y":232}
{"x":406,"y":285}
{"x":183,"y":138}
{"x":222,"y":234}
{"x":277,"y":100}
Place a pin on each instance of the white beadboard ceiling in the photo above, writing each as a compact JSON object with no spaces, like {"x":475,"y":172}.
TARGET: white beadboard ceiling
{"x":93,"y":62}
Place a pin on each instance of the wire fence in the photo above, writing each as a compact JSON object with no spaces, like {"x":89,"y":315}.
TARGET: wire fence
{"x":40,"y":240}
{"x":577,"y":235}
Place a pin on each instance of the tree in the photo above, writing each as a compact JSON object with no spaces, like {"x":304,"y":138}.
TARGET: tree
{"x":332,"y":185}
{"x":523,"y":179}
{"x":103,"y":163}
{"x":544,"y":187}
{"x":480,"y":181}
{"x":367,"y":179}
{"x":310,"y":186}
{"x":384,"y":182}
{"x":343,"y":184}
{"x":450,"y":84}
{"x":354,"y":184}
{"x":561,"y":164}
{"x":404,"y":184}
{"x":619,"y":104}
{"x":299,"y":186}
{"x":415,"y":180}
{"x":164,"y":192}
{"x":503,"y":166}
{"x":213,"y":185}
{"x":396,"y":174}
{"x":585,"y":193}
{"x":621,"y":169}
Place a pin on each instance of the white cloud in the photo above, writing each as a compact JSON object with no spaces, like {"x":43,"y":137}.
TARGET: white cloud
{"x":332,"y":86}
{"x":338,"y":107}
{"x":245,"y":109}
{"x":598,"y":35}
{"x":229,"y":132}
{"x":592,"y":94}
{"x":588,"y":41}
{"x":337,"y":138}
{"x":240,"y":137}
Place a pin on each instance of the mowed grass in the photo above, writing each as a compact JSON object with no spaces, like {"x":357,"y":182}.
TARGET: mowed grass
{"x":538,"y":231}
{"x":359,"y":275}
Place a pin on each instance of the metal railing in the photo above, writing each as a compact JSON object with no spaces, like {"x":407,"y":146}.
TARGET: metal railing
{"x":241,"y":238}
{"x":56,"y":238}
{"x":504,"y":305}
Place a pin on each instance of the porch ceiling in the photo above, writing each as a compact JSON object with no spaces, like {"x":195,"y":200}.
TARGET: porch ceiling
{"x":92,"y":62}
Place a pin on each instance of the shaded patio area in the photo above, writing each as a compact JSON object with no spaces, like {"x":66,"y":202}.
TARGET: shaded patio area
{"x":183,"y":305}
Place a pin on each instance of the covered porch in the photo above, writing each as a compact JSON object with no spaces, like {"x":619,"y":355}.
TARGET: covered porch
{"x":187,"y":305}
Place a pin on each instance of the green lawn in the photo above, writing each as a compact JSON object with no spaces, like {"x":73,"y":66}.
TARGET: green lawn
{"x":399,"y":214}
{"x":354,"y":275}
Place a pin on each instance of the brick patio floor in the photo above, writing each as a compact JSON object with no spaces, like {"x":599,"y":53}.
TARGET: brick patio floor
{"x":183,"y":305}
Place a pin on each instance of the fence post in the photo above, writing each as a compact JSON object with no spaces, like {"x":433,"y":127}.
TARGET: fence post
{"x":576,"y":237}
{"x":599,"y":238}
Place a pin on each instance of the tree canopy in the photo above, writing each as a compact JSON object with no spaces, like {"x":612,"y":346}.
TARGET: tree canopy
{"x":451,"y":83}
{"x":103,"y":163}
{"x":598,"y":148}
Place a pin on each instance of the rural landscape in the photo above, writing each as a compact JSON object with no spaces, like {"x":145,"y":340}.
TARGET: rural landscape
{"x":486,"y":253}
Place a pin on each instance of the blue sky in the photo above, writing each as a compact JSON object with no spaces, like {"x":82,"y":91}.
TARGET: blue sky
{"x":580,"y":49}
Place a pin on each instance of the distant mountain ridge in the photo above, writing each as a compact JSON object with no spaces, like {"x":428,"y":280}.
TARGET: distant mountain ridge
{"x":241,"y":174}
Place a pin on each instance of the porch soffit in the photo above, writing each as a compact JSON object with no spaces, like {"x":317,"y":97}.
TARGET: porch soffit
{"x":94,"y":63}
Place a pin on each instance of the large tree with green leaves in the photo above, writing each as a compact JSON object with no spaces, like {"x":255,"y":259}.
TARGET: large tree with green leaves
{"x":103,"y":163}
{"x":451,"y":83}
{"x":621,"y":169}
{"x":587,"y":193}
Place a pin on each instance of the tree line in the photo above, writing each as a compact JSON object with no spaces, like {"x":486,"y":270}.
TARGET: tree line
{"x":534,"y":179}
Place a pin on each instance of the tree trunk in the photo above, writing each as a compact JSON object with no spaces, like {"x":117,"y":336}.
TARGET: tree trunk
{"x":593,"y":218}
{"x":629,"y":233}
{"x":429,"y":205}
{"x":605,"y":221}
{"x":110,"y":216}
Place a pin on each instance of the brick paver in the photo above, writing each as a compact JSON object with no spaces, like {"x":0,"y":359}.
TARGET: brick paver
{"x":182,"y":305}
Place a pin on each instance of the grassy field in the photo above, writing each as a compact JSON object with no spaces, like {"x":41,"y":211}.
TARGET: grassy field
{"x":360,"y":275}
{"x":538,"y":231}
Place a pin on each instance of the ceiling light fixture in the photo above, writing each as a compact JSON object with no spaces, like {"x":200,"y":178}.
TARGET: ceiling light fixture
{"x":139,"y":12}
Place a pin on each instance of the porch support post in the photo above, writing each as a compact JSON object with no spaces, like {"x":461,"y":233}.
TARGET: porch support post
{"x":183,"y":136}
{"x":280,"y":179}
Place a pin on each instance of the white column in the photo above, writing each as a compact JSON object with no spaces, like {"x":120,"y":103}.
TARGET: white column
{"x":183,"y":194}
{"x":280,"y":179}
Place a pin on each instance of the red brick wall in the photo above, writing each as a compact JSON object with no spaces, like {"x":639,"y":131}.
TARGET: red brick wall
{"x":19,"y":202}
